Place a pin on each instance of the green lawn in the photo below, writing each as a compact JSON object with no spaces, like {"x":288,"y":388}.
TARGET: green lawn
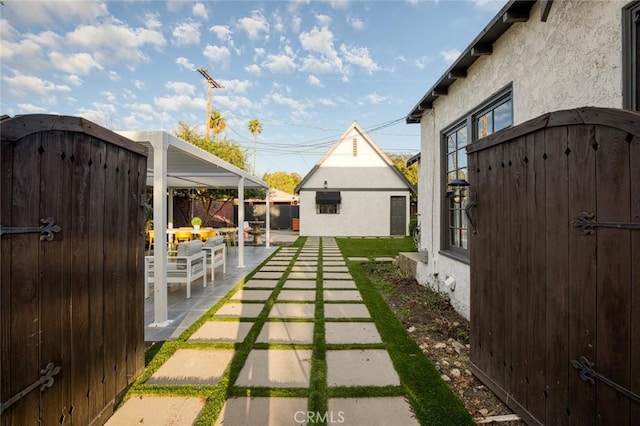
{"x":375,"y":247}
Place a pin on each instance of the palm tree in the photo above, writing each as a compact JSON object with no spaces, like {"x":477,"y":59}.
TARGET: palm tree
{"x":255,"y":127}
{"x":217,"y":122}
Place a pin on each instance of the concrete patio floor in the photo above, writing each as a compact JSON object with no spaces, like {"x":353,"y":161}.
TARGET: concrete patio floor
{"x":290,"y":324}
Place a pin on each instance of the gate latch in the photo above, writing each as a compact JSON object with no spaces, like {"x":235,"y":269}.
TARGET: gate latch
{"x":45,"y":381}
{"x":588,"y":374}
{"x":46,"y":230}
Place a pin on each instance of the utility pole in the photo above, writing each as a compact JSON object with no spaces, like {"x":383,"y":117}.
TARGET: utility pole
{"x":211,"y":83}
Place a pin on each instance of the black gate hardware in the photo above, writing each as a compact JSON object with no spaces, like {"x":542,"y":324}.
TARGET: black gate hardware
{"x":472,"y":203}
{"x":45,"y":381}
{"x":585,"y":222}
{"x":587,"y":374}
{"x":47,"y":229}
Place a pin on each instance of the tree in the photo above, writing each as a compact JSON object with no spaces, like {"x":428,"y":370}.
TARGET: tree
{"x":217,"y":122}
{"x":255,"y":127}
{"x":411,"y":173}
{"x":223,"y":148}
{"x":283,"y":181}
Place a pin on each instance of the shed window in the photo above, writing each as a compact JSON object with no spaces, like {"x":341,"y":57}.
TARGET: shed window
{"x":328,"y":202}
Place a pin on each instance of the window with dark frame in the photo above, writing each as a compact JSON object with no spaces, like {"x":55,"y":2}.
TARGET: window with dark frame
{"x":493,"y":115}
{"x":631,"y":56}
{"x":328,"y":202}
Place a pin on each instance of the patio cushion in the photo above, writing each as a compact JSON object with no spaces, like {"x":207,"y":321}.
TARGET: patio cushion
{"x":189,"y":248}
{"x":214,"y":241}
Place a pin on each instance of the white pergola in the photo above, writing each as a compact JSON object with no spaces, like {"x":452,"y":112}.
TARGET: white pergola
{"x":175,"y":163}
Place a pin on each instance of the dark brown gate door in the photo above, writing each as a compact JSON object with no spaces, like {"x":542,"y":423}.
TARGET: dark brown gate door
{"x":398,"y":215}
{"x":555,"y":266}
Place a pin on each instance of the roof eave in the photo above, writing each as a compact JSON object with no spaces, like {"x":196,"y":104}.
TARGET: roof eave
{"x":514,"y":11}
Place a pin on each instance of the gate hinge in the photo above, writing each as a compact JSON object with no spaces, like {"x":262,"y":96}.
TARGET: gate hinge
{"x":588,"y":374}
{"x":45,"y":381}
{"x":46,"y":230}
{"x":586,"y":223}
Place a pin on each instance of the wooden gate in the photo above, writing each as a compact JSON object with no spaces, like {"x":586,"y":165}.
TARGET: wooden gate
{"x":554,"y":211}
{"x":74,"y":301}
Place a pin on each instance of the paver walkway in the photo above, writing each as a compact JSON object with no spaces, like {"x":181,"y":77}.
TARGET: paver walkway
{"x":296,"y":330}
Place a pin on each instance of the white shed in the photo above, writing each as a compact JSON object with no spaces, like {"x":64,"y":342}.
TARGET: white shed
{"x":354,"y":190}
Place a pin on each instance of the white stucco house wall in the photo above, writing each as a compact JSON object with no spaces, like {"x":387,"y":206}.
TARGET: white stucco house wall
{"x":534,"y":57}
{"x":354,"y":190}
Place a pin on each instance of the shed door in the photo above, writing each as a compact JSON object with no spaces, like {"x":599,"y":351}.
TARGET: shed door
{"x":398,"y":215}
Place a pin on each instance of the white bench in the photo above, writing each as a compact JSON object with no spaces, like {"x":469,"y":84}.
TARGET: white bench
{"x":215,"y":254}
{"x":186,"y":266}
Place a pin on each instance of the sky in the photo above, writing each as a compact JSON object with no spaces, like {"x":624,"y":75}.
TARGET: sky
{"x":305,"y":69}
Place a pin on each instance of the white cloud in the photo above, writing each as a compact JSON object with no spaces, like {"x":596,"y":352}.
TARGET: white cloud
{"x":184,"y":62}
{"x":296,"y":22}
{"x":318,"y":40}
{"x":111,"y":43}
{"x":49,"y":13}
{"x":20,"y":85}
{"x":101,"y":114}
{"x":200,"y":11}
{"x":30,"y":109}
{"x":283,"y":100}
{"x":186,"y":33}
{"x":111,"y":97}
{"x":114,"y":76}
{"x":450,"y":55}
{"x":422,"y":62}
{"x":179,"y":103}
{"x":180,"y":87}
{"x":216,"y":53}
{"x":74,"y":79}
{"x":253,"y":69}
{"x":320,"y":65}
{"x":138,"y":84}
{"x":143,"y":108}
{"x":222,"y":32}
{"x":323,"y":20}
{"x":356,"y":23}
{"x":279,"y":64}
{"x":233,"y":103}
{"x":79,"y":63}
{"x":259,"y":52}
{"x":237,"y":86}
{"x":359,"y":56}
{"x":254,"y":25}
{"x":326,"y":102}
{"x":128,"y":95}
{"x":374,"y":98}
{"x":314,"y":81}
{"x":152,"y":21}
{"x":490,"y":5}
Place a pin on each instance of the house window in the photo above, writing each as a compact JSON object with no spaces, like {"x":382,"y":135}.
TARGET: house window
{"x":631,"y":56}
{"x":493,"y":115}
{"x":328,"y":202}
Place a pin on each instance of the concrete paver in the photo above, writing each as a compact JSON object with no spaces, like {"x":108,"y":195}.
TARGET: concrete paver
{"x":193,"y":367}
{"x":308,"y":284}
{"x":286,"y":332}
{"x":342,"y":295}
{"x":297,"y":295}
{"x":339,"y":284}
{"x":276,"y":368}
{"x":257,"y":295}
{"x":261,"y":284}
{"x":302,"y":275}
{"x":242,"y":310}
{"x":222,"y":331}
{"x":389,"y":410}
{"x":346,"y":310}
{"x":292,"y":310}
{"x":337,"y":276}
{"x":263,"y":411}
{"x":270,"y":275}
{"x":360,"y":367}
{"x":351,"y":332}
{"x":158,"y":410}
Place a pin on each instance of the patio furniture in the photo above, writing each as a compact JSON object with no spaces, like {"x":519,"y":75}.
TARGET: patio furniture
{"x":185,"y":267}
{"x":182,"y":235}
{"x":206,"y":233}
{"x":215,"y":254}
{"x":229,"y":235}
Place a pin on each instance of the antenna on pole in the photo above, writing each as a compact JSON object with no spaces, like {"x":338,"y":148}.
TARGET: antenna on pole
{"x":211,"y":83}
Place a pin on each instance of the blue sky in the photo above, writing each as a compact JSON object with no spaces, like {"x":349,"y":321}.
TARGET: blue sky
{"x":305,"y":69}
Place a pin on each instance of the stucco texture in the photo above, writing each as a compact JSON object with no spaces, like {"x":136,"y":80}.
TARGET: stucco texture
{"x":572,"y":60}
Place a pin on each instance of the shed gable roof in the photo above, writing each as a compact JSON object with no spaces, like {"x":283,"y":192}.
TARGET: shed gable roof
{"x":366,"y":138}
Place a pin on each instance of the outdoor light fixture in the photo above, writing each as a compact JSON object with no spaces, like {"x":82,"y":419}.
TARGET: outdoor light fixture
{"x":325,"y":185}
{"x":457,"y":187}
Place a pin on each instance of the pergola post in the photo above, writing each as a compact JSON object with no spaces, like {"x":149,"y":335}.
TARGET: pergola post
{"x":241,"y":222}
{"x":160,"y":146}
{"x":268,"y":216}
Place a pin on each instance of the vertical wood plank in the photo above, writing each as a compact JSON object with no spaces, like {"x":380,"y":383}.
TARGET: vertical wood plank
{"x":53,"y":198}
{"x":80,"y":288}
{"x":142,"y":183}
{"x":536,"y":267}
{"x":582,"y":272}
{"x":634,"y":190}
{"x":122,"y":236}
{"x":110,"y":274}
{"x":613,"y":276}
{"x":476,"y":338}
{"x":97,"y":320}
{"x":6,"y":194}
{"x":24,"y":300}
{"x":557,"y":275}
{"x":517,"y":263}
{"x":506,"y":268}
